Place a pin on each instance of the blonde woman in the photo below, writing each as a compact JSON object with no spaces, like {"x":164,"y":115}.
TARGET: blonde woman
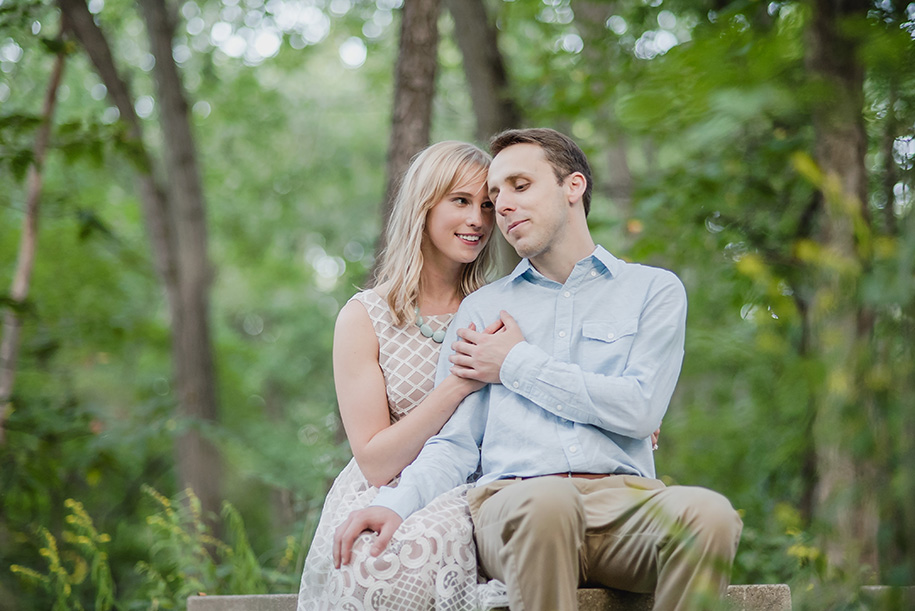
{"x":386,"y":345}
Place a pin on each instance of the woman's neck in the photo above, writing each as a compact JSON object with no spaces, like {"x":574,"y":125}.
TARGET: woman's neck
{"x":439,"y":290}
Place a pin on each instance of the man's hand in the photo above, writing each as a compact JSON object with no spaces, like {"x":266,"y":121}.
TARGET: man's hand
{"x":479,"y":356}
{"x":380,"y":520}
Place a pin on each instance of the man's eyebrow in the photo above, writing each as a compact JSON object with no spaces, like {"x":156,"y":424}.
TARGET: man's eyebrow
{"x":511,"y":179}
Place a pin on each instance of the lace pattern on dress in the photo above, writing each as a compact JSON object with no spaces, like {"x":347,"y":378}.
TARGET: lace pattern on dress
{"x":431,"y":561}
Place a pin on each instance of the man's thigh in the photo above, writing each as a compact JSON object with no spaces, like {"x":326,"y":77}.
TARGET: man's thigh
{"x":537,"y":505}
{"x":509,"y":510}
{"x":625,"y":547}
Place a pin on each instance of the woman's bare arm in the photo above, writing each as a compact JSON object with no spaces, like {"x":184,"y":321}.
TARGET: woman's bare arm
{"x":382,"y":449}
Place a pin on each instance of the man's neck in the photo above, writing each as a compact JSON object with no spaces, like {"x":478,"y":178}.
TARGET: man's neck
{"x":559,"y":261}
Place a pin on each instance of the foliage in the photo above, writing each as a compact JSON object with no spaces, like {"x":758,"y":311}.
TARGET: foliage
{"x":183,"y":559}
{"x":696,"y":116}
{"x":88,"y":559}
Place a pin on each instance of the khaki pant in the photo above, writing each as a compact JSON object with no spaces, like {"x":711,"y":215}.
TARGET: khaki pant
{"x":546,"y":536}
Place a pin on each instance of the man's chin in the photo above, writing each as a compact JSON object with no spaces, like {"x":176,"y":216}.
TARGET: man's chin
{"x":525,"y":250}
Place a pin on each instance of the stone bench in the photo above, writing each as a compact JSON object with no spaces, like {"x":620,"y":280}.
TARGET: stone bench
{"x":741,"y":598}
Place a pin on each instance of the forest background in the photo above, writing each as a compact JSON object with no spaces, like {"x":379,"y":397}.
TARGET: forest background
{"x":191,"y":191}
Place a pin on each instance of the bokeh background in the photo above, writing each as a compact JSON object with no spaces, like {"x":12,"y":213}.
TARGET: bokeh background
{"x":180,"y":227}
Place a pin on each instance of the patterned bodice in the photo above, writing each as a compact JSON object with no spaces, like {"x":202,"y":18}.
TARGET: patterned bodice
{"x":407,"y":358}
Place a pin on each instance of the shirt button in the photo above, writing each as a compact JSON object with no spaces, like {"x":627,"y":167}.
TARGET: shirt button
{"x":610,"y":336}
{"x":515,"y":385}
{"x":567,"y":294}
{"x":562,"y":334}
{"x":593,"y":273}
{"x":573,"y":449}
{"x":558,"y":408}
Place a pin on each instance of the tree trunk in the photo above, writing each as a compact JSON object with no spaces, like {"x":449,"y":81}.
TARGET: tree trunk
{"x":493,"y":103}
{"x":841,"y":328}
{"x":414,"y":90}
{"x":155,"y":205}
{"x":19,"y":291}
{"x":199,"y":465}
{"x":175,"y":221}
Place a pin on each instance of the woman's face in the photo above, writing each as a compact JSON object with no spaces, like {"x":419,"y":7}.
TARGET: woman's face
{"x":458,"y":226}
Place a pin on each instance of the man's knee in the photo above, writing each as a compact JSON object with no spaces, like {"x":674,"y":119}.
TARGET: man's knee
{"x":708,"y":514}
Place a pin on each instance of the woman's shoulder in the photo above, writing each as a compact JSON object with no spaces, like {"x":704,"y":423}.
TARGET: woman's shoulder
{"x":366,"y":305}
{"x":373,"y":295}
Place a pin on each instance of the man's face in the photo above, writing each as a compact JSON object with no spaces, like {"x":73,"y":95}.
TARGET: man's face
{"x":532,"y":210}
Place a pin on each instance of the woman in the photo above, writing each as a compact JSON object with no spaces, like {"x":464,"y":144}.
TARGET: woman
{"x":386,"y":346}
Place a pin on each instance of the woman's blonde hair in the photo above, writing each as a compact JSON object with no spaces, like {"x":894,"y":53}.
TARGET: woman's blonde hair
{"x":433,"y":173}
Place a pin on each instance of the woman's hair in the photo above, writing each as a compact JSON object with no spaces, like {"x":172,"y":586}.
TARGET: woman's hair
{"x":434,"y":173}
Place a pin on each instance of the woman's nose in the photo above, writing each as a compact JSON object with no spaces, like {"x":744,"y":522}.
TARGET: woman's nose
{"x":475,"y":216}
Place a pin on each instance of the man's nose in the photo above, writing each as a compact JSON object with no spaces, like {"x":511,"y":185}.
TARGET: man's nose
{"x":503,"y":204}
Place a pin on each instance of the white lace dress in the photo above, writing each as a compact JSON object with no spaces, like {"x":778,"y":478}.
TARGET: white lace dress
{"x":431,"y":562}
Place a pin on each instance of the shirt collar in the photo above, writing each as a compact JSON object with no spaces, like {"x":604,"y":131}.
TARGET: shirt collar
{"x":600,"y":258}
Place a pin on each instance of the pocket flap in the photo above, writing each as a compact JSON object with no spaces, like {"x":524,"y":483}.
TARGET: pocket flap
{"x":610,"y":331}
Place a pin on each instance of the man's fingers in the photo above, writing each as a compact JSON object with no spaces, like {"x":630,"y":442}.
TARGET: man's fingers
{"x":462,"y":372}
{"x":381,"y":541}
{"x":346,"y":544}
{"x":338,"y":542}
{"x":469,"y":335}
{"x":506,"y":319}
{"x":494,"y":327}
{"x":346,"y":536}
{"x":461,"y":347}
{"x":461,"y":359}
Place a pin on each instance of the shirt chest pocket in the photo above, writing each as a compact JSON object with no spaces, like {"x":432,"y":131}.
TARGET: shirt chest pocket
{"x":605,"y":344}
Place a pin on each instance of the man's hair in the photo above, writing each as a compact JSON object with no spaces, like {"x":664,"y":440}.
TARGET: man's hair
{"x":432,"y":174}
{"x":561,"y":152}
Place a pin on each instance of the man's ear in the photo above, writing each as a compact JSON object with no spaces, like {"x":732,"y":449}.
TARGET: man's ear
{"x":575,"y":184}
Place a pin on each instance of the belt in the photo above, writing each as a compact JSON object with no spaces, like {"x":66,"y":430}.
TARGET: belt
{"x":569,"y":475}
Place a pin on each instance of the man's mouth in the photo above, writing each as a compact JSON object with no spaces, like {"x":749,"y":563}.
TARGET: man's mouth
{"x":513,"y":225}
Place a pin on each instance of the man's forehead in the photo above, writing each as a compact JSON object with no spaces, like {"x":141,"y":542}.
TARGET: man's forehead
{"x":515,"y":160}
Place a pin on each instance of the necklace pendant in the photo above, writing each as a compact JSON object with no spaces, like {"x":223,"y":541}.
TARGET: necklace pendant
{"x":437,"y":336}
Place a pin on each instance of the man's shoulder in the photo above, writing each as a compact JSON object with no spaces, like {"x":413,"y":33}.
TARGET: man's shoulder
{"x":657,"y":276}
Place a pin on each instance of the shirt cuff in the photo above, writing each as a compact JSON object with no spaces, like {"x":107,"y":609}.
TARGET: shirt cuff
{"x":399,"y":500}
{"x":522,"y":357}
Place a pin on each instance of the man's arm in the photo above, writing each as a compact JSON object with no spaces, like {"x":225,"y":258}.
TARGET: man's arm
{"x":630,"y":404}
{"x":445,"y":461}
{"x":448,"y":458}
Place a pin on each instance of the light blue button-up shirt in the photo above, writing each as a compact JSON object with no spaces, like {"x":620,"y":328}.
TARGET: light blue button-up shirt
{"x":582,"y":393}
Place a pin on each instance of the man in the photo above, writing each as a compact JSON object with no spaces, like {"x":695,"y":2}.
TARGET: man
{"x":580,"y":375}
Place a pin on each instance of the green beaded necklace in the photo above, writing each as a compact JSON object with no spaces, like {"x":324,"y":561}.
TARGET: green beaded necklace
{"x":437,"y":336}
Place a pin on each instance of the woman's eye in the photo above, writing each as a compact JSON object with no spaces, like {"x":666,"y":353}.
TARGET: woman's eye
{"x":487,"y":205}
